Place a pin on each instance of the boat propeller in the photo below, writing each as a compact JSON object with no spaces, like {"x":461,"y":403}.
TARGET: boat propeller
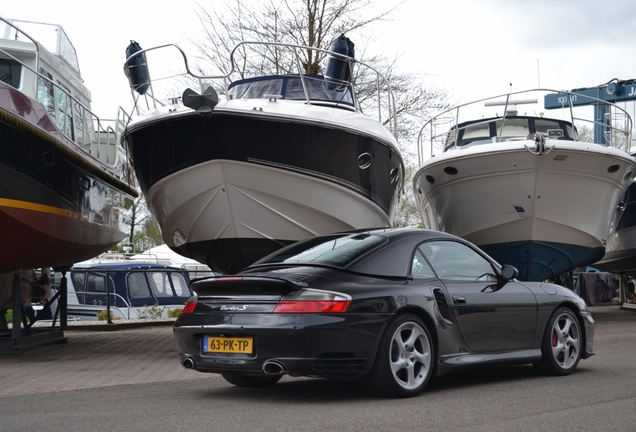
{"x":202,"y":103}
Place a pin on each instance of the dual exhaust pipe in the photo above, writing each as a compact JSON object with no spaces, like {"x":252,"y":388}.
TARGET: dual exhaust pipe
{"x":270,"y":367}
{"x":188,"y":363}
{"x":274,"y":367}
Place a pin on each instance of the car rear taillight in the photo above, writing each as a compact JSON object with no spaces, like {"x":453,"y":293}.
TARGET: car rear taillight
{"x":189,"y":307}
{"x":190,"y":304}
{"x":313,"y":301}
{"x":308,"y":306}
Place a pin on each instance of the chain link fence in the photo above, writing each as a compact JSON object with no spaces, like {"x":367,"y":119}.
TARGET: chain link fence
{"x":143,"y":292}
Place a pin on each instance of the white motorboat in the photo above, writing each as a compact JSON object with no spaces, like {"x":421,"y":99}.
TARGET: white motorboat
{"x":526,"y":188}
{"x":271,"y":160}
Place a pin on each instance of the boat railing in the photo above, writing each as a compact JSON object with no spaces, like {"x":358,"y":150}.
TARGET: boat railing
{"x":72,"y":118}
{"x":385,"y":105}
{"x":98,"y":309}
{"x":609,"y":125}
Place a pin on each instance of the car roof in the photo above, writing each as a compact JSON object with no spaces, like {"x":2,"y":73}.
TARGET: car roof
{"x":399,"y":232}
{"x":401,"y":243}
{"x":393,"y":257}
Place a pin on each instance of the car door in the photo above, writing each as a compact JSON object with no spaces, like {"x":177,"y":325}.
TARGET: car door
{"x":491,"y":317}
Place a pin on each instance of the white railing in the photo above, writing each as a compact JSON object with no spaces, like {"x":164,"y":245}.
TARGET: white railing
{"x":73,"y":119}
{"x":440,"y":133}
{"x":386,"y":108}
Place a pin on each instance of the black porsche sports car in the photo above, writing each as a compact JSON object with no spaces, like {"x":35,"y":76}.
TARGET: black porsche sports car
{"x":390,"y":307}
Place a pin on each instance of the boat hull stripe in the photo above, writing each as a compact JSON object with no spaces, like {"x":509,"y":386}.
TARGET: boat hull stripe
{"x":25,"y":205}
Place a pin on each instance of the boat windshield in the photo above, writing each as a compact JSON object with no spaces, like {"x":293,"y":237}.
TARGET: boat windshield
{"x":50,"y":36}
{"x":514,"y":128}
{"x":291,"y":87}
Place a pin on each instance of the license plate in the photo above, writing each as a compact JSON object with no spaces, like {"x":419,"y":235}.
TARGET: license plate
{"x":227,"y":345}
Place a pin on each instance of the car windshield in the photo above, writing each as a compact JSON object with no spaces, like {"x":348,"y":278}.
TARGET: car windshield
{"x":335,"y":250}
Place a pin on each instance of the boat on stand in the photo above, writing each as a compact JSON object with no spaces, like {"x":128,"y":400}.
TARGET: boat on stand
{"x":620,"y":251}
{"x":530,"y":190}
{"x":65,"y":182}
{"x":64,"y":178}
{"x":249,"y":164}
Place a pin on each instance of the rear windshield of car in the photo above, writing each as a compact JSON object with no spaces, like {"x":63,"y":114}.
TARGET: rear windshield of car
{"x":336,"y":250}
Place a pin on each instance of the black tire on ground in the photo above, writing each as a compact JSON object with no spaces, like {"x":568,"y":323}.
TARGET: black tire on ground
{"x":241,"y":380}
{"x":561,"y":344}
{"x":404,"y":363}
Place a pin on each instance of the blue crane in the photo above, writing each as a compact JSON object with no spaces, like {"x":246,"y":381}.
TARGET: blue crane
{"x":614,"y":91}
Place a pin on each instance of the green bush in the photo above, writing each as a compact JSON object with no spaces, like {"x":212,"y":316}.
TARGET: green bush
{"x":174,"y":313}
{"x":103,"y":316}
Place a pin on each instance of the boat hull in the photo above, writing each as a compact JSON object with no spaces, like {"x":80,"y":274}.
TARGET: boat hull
{"x":55,"y":206}
{"x":545,"y":214}
{"x":232,"y":213}
{"x":620,"y":252}
{"x":231,"y":187}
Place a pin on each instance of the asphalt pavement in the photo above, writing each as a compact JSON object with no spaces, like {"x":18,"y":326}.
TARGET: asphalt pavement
{"x":92,"y":357}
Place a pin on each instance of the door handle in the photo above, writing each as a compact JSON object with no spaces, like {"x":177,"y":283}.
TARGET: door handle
{"x":459,"y":299}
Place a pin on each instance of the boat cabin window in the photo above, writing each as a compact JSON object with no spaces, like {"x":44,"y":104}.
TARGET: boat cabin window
{"x":78,"y":285}
{"x":90,"y":288}
{"x":545,"y":125}
{"x":96,"y":284}
{"x":69,"y":115}
{"x":45,"y":92}
{"x":489,"y":130}
{"x":65,"y":110}
{"x":137,"y":286}
{"x":477,"y":134}
{"x":10,"y":72}
{"x":513,"y":128}
{"x":160,"y":284}
{"x":180,"y":285}
{"x":290,"y":87}
{"x":157,"y":284}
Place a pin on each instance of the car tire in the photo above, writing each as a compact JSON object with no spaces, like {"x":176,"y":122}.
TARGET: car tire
{"x":242,"y":380}
{"x":561,"y":344}
{"x":405,"y":359}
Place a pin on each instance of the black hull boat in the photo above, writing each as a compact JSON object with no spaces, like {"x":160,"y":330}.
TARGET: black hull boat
{"x":275,"y":159}
{"x":620,"y":251}
{"x":64,"y":179}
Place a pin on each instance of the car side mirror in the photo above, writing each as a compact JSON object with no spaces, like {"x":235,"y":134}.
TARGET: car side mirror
{"x":509,"y":272}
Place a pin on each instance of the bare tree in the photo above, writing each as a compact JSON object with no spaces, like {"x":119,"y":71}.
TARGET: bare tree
{"x":408,"y":214}
{"x":314,"y":23}
{"x":152,"y":232}
{"x":144,"y":229}
{"x":138,"y":216}
{"x":586,"y":133}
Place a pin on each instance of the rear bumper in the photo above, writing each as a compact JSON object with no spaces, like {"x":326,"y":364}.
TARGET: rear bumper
{"x":330,"y":346}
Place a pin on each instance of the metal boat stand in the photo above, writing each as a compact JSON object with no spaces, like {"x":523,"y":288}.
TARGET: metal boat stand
{"x":22,"y":333}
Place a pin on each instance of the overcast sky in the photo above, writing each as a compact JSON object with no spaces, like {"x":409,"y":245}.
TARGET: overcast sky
{"x":471,"y":48}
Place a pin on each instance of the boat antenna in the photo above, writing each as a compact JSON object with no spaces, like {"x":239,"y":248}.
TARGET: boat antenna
{"x":538,"y":75}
